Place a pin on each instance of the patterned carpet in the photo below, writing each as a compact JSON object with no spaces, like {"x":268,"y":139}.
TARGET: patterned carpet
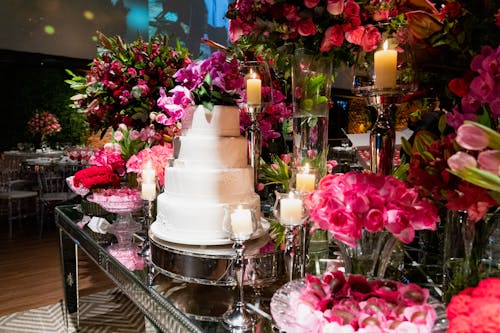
{"x":105,"y":312}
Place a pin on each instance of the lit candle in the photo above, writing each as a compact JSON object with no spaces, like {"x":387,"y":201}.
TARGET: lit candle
{"x":385,"y":67}
{"x":148,"y":191}
{"x":148,"y":174}
{"x":241,"y":222}
{"x":254,"y":87}
{"x":291,"y":210}
{"x":305,"y":180}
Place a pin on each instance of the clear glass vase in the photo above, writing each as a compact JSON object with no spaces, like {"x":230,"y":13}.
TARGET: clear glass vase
{"x":372,"y":255}
{"x":311,"y":86}
{"x":468,"y":254}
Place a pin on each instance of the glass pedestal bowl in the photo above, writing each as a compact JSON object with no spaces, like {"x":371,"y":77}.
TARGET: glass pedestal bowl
{"x":122,"y":202}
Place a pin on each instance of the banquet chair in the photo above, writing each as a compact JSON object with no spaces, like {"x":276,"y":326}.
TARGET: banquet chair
{"x":53,"y":190}
{"x":17,"y":201}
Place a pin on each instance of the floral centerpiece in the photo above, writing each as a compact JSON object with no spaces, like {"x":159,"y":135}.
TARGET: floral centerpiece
{"x":123,"y":83}
{"x":476,"y":309}
{"x":105,"y":169}
{"x":44,"y":124}
{"x":368,"y":212}
{"x":336,"y":303}
{"x":345,"y":204}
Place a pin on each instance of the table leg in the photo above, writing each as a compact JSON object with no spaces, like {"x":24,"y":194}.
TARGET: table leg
{"x":69,"y":269}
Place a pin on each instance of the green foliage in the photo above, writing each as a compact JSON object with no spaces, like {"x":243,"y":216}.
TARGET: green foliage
{"x":275,"y":173}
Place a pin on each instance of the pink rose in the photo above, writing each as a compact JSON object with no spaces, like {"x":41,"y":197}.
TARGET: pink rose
{"x":335,"y":7}
{"x":460,"y":160}
{"x":371,"y":38}
{"x":489,"y":160}
{"x":374,"y":220}
{"x":306,"y":27}
{"x":351,"y":9}
{"x":355,"y":36}
{"x":118,"y":136}
{"x":311,"y":3}
{"x":290,"y":12}
{"x":334,"y":36}
{"x":472,"y":137}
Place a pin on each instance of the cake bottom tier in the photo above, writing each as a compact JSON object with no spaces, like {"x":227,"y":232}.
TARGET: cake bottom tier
{"x":195,"y":222}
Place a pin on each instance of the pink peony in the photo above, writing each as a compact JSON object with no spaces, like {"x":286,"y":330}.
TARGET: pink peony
{"x":335,"y":7}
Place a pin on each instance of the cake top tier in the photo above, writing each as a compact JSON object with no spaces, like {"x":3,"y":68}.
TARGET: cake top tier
{"x":221,"y":121}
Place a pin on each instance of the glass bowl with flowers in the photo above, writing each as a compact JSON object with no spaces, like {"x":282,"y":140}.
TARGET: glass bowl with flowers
{"x":335,"y":302}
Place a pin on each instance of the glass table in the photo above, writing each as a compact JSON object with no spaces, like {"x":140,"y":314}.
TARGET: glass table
{"x":164,"y":301}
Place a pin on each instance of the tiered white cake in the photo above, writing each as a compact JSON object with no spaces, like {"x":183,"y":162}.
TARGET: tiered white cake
{"x":210,"y":170}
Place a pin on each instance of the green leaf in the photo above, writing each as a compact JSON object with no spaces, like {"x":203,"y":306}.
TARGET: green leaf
{"x":480,"y":178}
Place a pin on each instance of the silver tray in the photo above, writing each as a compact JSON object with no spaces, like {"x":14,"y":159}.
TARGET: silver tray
{"x":212,"y":265}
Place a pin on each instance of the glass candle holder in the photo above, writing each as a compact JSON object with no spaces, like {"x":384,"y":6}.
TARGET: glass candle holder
{"x":240,"y":223}
{"x":305,"y":179}
{"x":257,"y":95}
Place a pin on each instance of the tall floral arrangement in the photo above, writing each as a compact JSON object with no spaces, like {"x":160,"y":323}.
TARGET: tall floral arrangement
{"x":123,"y":83}
{"x":333,"y":28}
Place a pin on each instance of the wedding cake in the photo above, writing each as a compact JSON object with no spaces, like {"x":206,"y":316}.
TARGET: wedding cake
{"x":210,"y":170}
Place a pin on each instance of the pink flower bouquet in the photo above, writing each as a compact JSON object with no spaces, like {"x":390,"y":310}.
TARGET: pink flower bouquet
{"x":334,"y":303}
{"x":345,"y":204}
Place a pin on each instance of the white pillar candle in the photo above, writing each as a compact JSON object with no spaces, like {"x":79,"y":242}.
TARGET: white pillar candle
{"x":254,"y":87}
{"x":241,"y":222}
{"x":291,"y":210}
{"x":148,"y":191}
{"x":148,"y":174}
{"x":385,"y":67}
{"x":305,"y":180}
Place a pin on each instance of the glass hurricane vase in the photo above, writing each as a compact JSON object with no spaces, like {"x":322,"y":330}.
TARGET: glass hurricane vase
{"x":371,"y":256}
{"x":311,"y":86}
{"x":469,"y":251}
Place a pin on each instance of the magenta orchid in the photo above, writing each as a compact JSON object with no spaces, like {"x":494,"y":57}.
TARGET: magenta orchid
{"x":345,"y":204}
{"x":481,"y":94}
{"x":211,"y":81}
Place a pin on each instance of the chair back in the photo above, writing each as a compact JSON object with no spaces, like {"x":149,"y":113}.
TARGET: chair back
{"x":52,"y":179}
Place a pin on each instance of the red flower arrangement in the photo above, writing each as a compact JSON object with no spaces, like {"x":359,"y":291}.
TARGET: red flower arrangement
{"x":95,"y":177}
{"x":476,"y":309}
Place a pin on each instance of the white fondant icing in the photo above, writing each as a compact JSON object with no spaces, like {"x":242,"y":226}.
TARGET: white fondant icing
{"x":216,"y":183}
{"x":212,"y":152}
{"x":221,"y":121}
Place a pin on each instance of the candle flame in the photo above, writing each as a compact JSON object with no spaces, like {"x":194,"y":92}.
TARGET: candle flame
{"x":386,"y":45}
{"x":306,"y":168}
